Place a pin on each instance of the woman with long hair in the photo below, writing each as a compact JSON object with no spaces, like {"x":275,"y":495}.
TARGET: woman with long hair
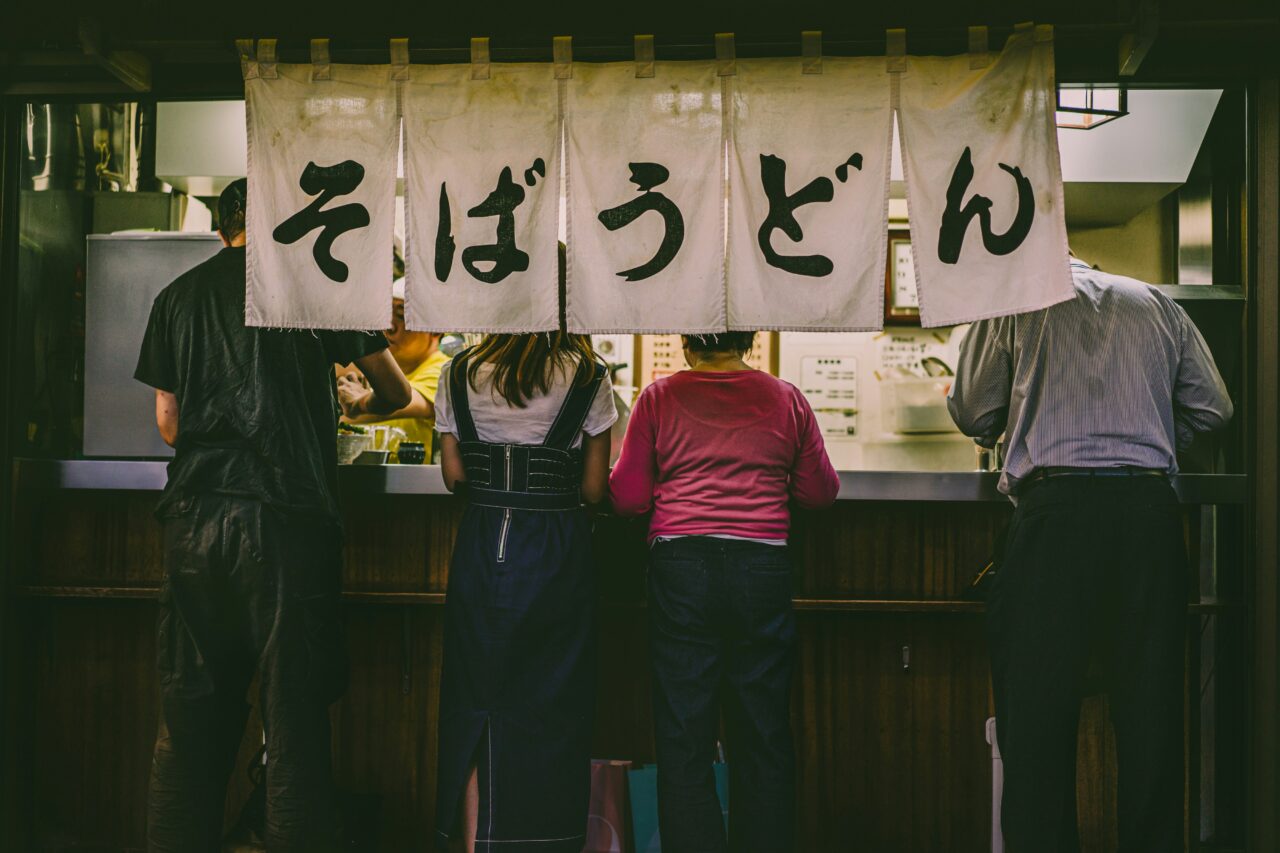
{"x":524,"y":423}
{"x":717,"y":453}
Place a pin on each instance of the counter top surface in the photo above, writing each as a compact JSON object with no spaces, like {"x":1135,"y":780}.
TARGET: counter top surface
{"x":967,"y":486}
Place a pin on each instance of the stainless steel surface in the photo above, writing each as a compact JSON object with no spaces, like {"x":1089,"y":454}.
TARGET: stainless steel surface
{"x":115,"y":211}
{"x":1187,"y":292}
{"x":53,"y":148}
{"x":960,"y":486}
{"x":124,"y":272}
{"x":1195,"y":228}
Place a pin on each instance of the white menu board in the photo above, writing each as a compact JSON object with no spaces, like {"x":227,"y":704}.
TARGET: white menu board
{"x":830,"y":384}
{"x":660,"y":355}
{"x":904,"y":351}
{"x":904,"y":275}
{"x":663,"y":355}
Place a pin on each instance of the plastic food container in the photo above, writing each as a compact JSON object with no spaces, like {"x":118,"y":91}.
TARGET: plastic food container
{"x":918,"y":405}
{"x":351,"y":445}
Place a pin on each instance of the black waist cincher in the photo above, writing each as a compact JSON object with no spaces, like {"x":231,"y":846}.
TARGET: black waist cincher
{"x":546,"y":476}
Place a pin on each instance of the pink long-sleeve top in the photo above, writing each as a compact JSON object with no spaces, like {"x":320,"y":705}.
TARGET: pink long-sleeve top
{"x":722,"y":454}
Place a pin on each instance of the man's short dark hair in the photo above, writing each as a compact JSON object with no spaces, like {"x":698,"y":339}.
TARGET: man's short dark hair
{"x":724,"y":342}
{"x":231,"y":206}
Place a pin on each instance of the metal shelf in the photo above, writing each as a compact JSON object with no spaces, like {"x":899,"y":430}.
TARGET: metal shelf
{"x":1202,"y":292}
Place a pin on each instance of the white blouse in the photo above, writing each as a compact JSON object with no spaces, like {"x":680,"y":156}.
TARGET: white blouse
{"x":498,"y":422}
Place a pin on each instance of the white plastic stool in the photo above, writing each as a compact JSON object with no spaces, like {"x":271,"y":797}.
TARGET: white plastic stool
{"x":997,"y":787}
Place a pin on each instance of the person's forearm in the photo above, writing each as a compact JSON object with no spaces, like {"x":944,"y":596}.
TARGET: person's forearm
{"x":815,"y":486}
{"x":169,"y":434}
{"x":370,"y":407}
{"x":984,"y":425}
{"x":630,"y":490}
{"x":419,"y":407}
{"x":167,"y":416}
{"x":1190,"y":422}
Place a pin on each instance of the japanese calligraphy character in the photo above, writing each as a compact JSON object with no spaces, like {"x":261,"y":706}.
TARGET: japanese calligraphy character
{"x":956,"y":219}
{"x":445,"y":246}
{"x":646,"y":176}
{"x":327,"y":182}
{"x":505,"y":256}
{"x":781,"y":216}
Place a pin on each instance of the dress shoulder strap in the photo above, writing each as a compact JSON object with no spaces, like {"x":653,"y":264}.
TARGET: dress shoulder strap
{"x":577,"y":404}
{"x":459,"y":397}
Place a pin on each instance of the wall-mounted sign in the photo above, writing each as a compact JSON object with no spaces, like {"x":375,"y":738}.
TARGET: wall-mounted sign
{"x":902,"y":298}
{"x":663,"y":355}
{"x":830,"y":384}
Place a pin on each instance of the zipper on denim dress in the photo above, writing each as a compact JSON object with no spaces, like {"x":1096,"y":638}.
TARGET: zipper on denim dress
{"x":506,"y":515}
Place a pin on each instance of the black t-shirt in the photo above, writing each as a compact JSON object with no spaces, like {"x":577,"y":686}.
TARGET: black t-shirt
{"x":257,"y":408}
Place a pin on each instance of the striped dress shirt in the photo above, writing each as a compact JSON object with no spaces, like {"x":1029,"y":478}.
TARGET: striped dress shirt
{"x":1117,"y":376}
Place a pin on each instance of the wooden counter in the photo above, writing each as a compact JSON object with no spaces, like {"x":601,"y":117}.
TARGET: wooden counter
{"x":890,"y":702}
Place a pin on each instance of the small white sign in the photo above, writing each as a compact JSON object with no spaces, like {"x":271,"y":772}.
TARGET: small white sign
{"x":829,"y":381}
{"x":903,"y":352}
{"x":837,"y":423}
{"x":904,"y":276}
{"x":830,"y":384}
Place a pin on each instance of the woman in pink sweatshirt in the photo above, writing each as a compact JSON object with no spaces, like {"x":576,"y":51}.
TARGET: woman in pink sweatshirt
{"x":718,"y":453}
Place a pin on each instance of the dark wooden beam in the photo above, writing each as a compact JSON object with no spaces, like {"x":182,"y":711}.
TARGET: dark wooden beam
{"x":1264,"y":239}
{"x":1135,"y":45}
{"x":129,"y":67}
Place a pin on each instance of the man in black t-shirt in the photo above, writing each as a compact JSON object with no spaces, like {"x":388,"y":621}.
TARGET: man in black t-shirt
{"x":252,"y":548}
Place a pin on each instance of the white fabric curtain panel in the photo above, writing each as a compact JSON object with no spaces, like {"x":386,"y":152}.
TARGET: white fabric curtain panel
{"x":693,"y":202}
{"x":482,"y":188}
{"x":645,"y":229}
{"x":984,"y":183}
{"x":321,"y":203}
{"x":809,"y":194}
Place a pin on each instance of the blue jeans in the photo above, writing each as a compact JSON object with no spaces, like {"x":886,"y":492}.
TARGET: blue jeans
{"x":722,"y":638}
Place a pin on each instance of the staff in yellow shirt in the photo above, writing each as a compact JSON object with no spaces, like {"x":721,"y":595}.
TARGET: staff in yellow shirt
{"x":419,"y":356}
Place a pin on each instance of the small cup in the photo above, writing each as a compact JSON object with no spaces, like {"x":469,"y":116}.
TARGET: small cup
{"x":412,"y":453}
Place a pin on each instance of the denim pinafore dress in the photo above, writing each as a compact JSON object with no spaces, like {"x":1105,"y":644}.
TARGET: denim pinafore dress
{"x":518,"y":684}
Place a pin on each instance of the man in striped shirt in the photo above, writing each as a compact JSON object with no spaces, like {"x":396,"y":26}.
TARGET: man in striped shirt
{"x":1095,"y":396}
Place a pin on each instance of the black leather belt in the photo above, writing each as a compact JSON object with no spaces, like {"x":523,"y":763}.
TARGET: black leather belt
{"x":1052,"y":472}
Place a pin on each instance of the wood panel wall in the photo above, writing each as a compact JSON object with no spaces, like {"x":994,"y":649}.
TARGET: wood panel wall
{"x":891,"y":757}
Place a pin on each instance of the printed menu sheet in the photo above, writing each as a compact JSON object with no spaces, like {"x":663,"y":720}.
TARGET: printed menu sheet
{"x":830,"y":384}
{"x":905,"y":352}
{"x":901,"y":263}
{"x":663,"y":355}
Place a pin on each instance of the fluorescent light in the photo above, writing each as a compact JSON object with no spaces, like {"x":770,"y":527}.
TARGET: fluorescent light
{"x":1088,"y":106}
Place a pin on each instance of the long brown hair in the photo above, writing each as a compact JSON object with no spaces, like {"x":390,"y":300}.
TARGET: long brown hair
{"x":524,"y":365}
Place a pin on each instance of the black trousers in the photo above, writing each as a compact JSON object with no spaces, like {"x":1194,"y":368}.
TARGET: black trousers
{"x":246,"y":589}
{"x":1095,"y":574}
{"x":722,"y":634}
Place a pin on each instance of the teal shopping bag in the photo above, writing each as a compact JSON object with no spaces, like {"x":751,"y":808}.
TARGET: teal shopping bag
{"x":643,"y":781}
